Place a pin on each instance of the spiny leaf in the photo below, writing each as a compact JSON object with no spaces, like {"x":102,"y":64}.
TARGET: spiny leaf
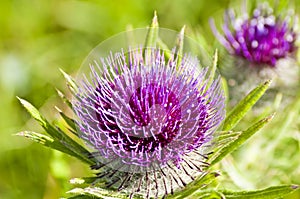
{"x":245,"y":135}
{"x":33,"y":111}
{"x":240,"y":110}
{"x":268,"y":193}
{"x":48,"y":142}
{"x":58,"y":134}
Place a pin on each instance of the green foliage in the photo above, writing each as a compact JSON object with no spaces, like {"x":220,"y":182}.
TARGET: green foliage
{"x":61,"y":141}
{"x":240,"y":110}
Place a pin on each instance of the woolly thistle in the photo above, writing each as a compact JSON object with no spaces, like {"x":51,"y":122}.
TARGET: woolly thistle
{"x":148,"y":118}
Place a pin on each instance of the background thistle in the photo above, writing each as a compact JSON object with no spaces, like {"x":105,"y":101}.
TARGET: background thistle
{"x":261,"y":38}
{"x":263,"y":46}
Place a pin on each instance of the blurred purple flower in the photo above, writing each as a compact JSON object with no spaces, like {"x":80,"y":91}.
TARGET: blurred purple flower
{"x":141,"y":113}
{"x":261,"y":38}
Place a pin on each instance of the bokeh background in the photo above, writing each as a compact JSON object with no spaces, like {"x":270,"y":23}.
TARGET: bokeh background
{"x":39,"y":37}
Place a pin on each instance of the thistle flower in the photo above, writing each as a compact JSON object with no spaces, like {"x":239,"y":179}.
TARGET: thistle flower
{"x":261,"y":38}
{"x":148,"y":119}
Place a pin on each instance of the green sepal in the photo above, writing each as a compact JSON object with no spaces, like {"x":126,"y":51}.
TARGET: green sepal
{"x":240,"y":110}
{"x":243,"y":137}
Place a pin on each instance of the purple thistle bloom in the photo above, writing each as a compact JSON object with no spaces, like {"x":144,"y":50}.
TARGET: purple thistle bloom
{"x":144,"y":114}
{"x":261,"y":38}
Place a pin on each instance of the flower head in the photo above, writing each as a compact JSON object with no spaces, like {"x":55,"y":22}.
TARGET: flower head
{"x":141,"y":113}
{"x":261,"y":38}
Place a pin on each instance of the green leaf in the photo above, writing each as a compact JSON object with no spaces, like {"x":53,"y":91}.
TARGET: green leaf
{"x":268,"y":193}
{"x":58,"y":135}
{"x":240,"y":110}
{"x":245,"y":135}
{"x":33,"y":111}
{"x":48,"y":142}
{"x":202,"y":181}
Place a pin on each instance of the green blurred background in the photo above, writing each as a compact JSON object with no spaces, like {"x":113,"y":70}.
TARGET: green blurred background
{"x":39,"y":37}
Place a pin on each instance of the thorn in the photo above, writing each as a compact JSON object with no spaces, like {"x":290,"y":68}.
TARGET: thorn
{"x":268,"y":82}
{"x":20,"y":99}
{"x":20,"y":134}
{"x":270,"y":117}
{"x":154,"y":20}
